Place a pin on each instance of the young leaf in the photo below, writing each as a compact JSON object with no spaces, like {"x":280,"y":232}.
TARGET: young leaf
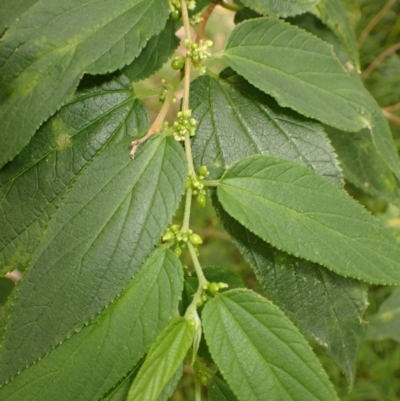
{"x":104,"y":230}
{"x":162,"y":361}
{"x":218,"y":390}
{"x":282,"y":8}
{"x":334,"y":15}
{"x":325,"y":306}
{"x":302,"y":72}
{"x":259,"y":351}
{"x":94,"y":359}
{"x":236,"y":120}
{"x":43,"y":56}
{"x":35,"y":182}
{"x":363,"y":166}
{"x":299,"y":212}
{"x":157,"y":51}
{"x":386,"y":323}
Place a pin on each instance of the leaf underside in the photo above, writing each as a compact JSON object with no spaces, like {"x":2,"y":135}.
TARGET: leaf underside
{"x":299,"y":212}
{"x":282,"y":8}
{"x":259,"y":351}
{"x":316,"y":85}
{"x":43,"y":56}
{"x":102,"y":233}
{"x":36,"y":181}
{"x":93,"y":360}
{"x":326,"y":307}
{"x":236,"y":120}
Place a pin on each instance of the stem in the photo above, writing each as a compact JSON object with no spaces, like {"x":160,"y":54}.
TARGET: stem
{"x":393,"y":107}
{"x":197,"y":386}
{"x":391,"y":117}
{"x":206,"y":232}
{"x":374,"y":21}
{"x":156,"y":126}
{"x":230,"y":7}
{"x":202,"y":28}
{"x":188,"y":206}
{"x":379,"y":60}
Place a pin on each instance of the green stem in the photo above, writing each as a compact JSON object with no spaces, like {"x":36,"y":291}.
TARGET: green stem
{"x":188,"y":206}
{"x":197,"y":386}
{"x":211,"y":183}
{"x":203,"y":283}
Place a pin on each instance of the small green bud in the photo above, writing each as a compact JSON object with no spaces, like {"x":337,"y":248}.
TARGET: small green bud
{"x":203,"y":170}
{"x":175,"y":227}
{"x":178,"y":63}
{"x":201,"y":199}
{"x":168,"y":236}
{"x":176,"y":14}
{"x":213,"y":288}
{"x":178,"y":251}
{"x":209,"y":43}
{"x":195,"y":239}
{"x":204,"y":380}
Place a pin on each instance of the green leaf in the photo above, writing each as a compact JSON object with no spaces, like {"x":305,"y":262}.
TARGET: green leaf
{"x":236,"y":120}
{"x":259,"y":351}
{"x":94,"y":359}
{"x":218,"y":390}
{"x":11,"y":10}
{"x":112,"y":218}
{"x":299,"y":212}
{"x":157,"y":51}
{"x":325,"y":306}
{"x":386,"y":323}
{"x":33,"y":185}
{"x":363,"y":166}
{"x":316,"y":84}
{"x":43,"y":56}
{"x":162,"y":361}
{"x":283,"y":8}
{"x":334,"y":15}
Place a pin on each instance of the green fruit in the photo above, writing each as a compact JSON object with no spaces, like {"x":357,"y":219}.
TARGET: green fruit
{"x":201,"y":199}
{"x":195,"y":239}
{"x":178,"y":63}
{"x":176,"y":14}
{"x":203,"y":170}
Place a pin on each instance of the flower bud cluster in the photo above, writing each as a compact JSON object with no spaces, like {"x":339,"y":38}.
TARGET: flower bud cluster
{"x":181,"y":238}
{"x":198,"y":52}
{"x":195,"y":182}
{"x":184,"y":125}
{"x":213,"y":288}
{"x":175,"y":7}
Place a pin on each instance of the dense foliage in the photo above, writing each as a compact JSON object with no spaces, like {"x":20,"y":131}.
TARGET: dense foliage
{"x":284,"y":131}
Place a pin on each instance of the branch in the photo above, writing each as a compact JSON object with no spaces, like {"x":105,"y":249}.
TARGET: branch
{"x":391,"y":117}
{"x":202,"y":27}
{"x":374,"y":21}
{"x":379,"y":60}
{"x":393,"y":107}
